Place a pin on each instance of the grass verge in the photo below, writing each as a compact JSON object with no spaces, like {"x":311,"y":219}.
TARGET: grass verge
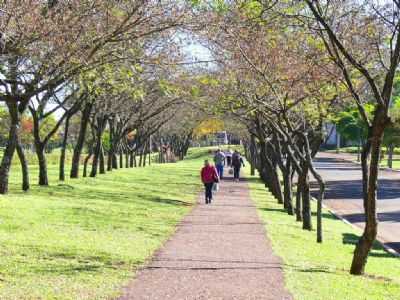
{"x":321,"y":271}
{"x":351,"y":156}
{"x":83,"y":239}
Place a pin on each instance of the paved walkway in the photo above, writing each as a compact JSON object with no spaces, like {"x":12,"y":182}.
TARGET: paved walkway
{"x":344,"y":195}
{"x":220,"y":251}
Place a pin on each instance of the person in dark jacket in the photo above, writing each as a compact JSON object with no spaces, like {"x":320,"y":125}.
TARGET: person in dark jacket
{"x":209,"y":176}
{"x":237,"y":163}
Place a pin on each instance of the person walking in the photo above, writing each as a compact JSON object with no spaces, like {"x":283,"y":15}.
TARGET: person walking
{"x":237,"y":163}
{"x":209,"y":177}
{"x":219,"y":160}
{"x":228,"y":156}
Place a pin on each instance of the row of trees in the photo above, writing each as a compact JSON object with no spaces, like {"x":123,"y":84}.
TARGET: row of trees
{"x":286,"y":68}
{"x":97,"y":75}
{"x":282,"y":68}
{"x":352,"y":128}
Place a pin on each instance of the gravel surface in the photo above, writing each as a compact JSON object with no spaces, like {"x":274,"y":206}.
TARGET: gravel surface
{"x":220,"y":251}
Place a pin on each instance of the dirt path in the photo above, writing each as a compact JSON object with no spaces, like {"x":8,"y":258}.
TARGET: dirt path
{"x":220,"y":251}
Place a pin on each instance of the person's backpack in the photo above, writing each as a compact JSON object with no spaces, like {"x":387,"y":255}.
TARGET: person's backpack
{"x":236,"y":159}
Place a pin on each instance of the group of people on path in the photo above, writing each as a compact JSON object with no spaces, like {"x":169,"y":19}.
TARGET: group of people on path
{"x":211,"y":175}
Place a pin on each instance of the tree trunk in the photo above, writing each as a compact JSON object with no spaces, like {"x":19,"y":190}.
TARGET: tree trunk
{"x":102,"y":163}
{"x":160,"y":155}
{"x":252,"y":156}
{"x":287,"y":184}
{"x":370,"y":180}
{"x":141,"y":158}
{"x":150,"y":149}
{"x":85,"y":163}
{"x":126,"y":159}
{"x":359,"y":150}
{"x":10,"y":147}
{"x":96,"y":154}
{"x":338,"y":142}
{"x":121,"y":159}
{"x":144,"y":155}
{"x":319,"y":208}
{"x":390,"y":156}
{"x":131,"y":162}
{"x":305,"y":197}
{"x":40,"y":153}
{"x":299,"y":209}
{"x":321,"y":184}
{"x":114,"y":161}
{"x":24,"y":167}
{"x":277,"y":188}
{"x":111,"y":151}
{"x":81,"y":140}
{"x":269,"y":174}
{"x":63,"y":150}
{"x":40,"y":147}
{"x":149,"y":158}
{"x":109,"y":160}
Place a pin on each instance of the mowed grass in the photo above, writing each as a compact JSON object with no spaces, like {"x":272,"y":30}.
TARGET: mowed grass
{"x":395,"y":163}
{"x":321,"y":271}
{"x":83,"y":239}
{"x":383,"y":163}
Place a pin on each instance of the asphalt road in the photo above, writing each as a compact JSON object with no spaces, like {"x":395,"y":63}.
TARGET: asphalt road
{"x":344,"y":196}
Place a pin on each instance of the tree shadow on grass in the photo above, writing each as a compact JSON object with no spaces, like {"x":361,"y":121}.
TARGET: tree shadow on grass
{"x":122,"y":196}
{"x":315,"y":270}
{"x":197,"y":155}
{"x":167,"y":201}
{"x":68,"y":269}
{"x":252,"y":179}
{"x":65,"y":262}
{"x":326,"y":216}
{"x":274,"y":209}
{"x":65,"y":186}
{"x":376,"y":251}
{"x":92,"y":219}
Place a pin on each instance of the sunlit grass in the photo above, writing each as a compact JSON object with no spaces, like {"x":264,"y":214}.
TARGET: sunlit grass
{"x":83,"y":239}
{"x":321,"y":271}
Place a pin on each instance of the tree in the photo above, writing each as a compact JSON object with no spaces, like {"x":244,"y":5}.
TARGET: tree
{"x":283,"y":93}
{"x":25,"y":131}
{"x":391,"y":138}
{"x":44,"y":46}
{"x":369,"y":52}
{"x":45,"y":126}
{"x":3,"y":126}
{"x":352,"y":127}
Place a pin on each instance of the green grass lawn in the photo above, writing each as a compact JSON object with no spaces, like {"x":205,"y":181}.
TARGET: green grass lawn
{"x":83,"y":239}
{"x":321,"y":271}
{"x":383,"y":163}
{"x":354,"y":149}
{"x":396,"y":163}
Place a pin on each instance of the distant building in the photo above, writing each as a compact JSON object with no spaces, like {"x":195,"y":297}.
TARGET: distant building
{"x":221,"y":138}
{"x":332,"y":135}
{"x":216,"y":139}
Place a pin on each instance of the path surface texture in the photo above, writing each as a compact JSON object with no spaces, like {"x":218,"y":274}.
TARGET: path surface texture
{"x":220,"y":251}
{"x":344,"y":195}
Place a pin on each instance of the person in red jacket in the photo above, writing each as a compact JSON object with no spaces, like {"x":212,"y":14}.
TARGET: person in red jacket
{"x":209,"y":176}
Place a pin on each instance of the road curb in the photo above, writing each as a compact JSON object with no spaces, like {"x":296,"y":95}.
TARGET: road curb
{"x":380,"y":241}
